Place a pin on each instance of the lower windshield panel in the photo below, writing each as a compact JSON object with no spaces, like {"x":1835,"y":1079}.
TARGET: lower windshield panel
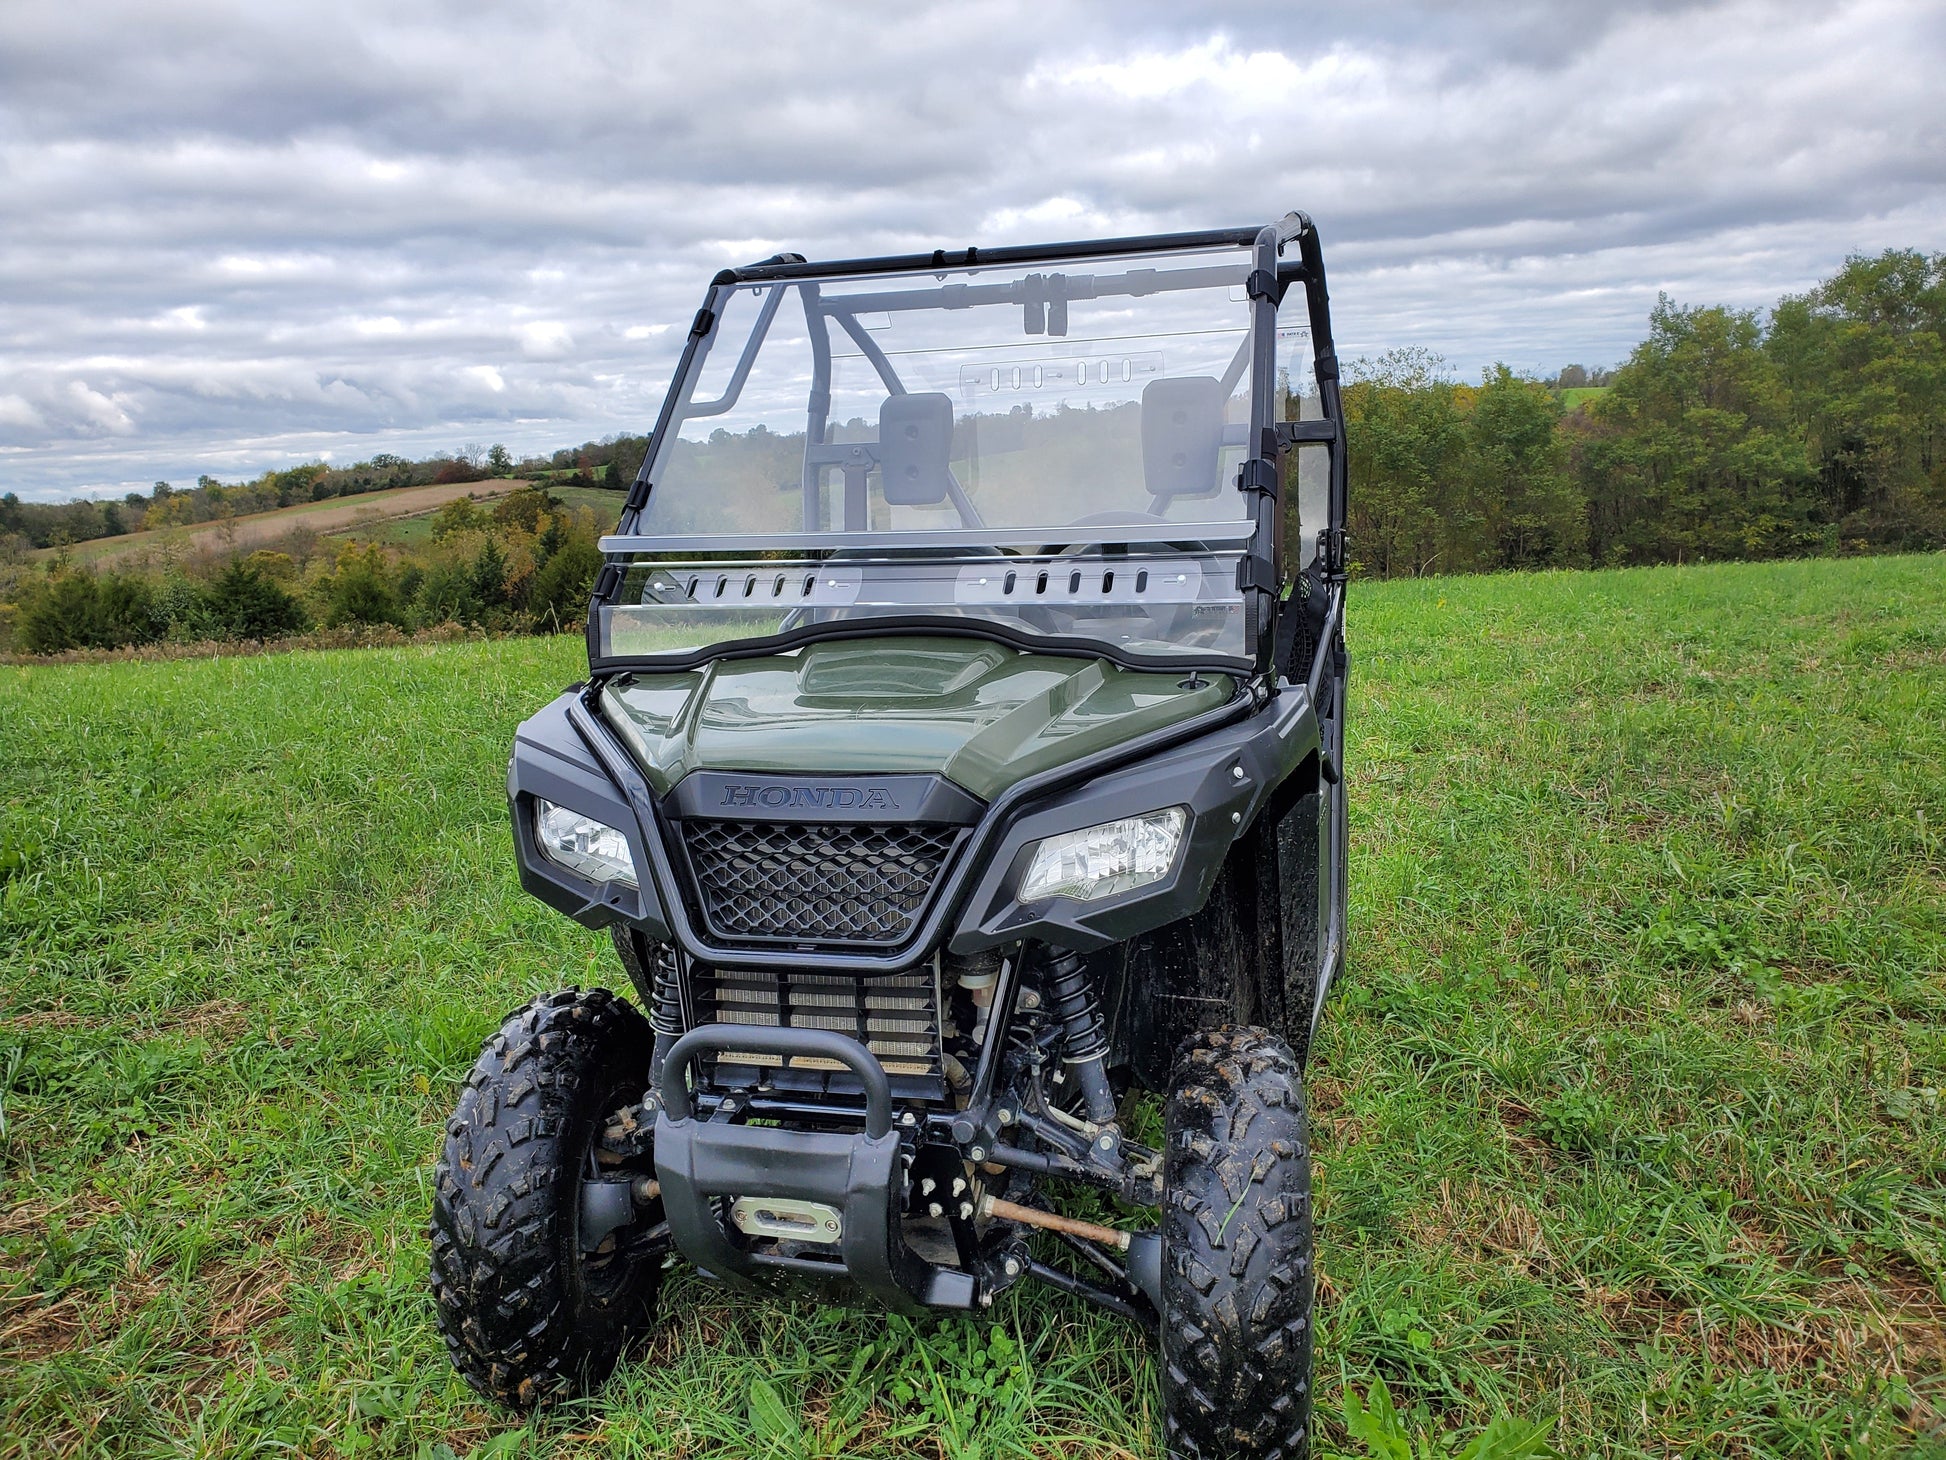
{"x":1174,"y":600}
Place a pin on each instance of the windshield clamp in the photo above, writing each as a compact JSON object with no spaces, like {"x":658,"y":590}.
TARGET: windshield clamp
{"x":705,"y":317}
{"x":1254,"y":573}
{"x":1258,"y":475}
{"x":1333,"y":547}
{"x":1262,"y":284}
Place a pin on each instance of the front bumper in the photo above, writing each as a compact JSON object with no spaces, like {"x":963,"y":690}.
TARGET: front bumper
{"x":699,"y":1161}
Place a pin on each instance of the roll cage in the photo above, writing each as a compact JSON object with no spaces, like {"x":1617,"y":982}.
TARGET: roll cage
{"x":1263,"y":577}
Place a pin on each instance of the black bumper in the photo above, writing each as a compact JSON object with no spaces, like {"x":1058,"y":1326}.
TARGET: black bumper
{"x":698,"y":1160}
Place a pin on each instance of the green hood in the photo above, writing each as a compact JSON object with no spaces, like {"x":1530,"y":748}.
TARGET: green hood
{"x":981,"y":714}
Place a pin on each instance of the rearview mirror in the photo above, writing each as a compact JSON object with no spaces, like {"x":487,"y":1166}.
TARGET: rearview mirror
{"x":1182,"y":435}
{"x":915,"y":443}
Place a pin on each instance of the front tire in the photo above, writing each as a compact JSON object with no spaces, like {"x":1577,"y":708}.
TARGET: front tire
{"x":1236,"y":1251}
{"x":526,"y":1314}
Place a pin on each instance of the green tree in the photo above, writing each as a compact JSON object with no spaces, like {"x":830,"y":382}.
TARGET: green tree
{"x":462,"y":514}
{"x":498,"y":462}
{"x":76,"y":610}
{"x":489,"y":576}
{"x":1694,"y":453}
{"x":1862,"y":358}
{"x":245,"y":603}
{"x":558,"y":598}
{"x":524,"y":508}
{"x":1407,"y":442}
{"x":446,"y":595}
{"x":362,"y":592}
{"x":1528,"y":508}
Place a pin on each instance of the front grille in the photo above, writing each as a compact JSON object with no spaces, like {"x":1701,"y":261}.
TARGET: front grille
{"x":815,"y":884}
{"x":895,"y":1016}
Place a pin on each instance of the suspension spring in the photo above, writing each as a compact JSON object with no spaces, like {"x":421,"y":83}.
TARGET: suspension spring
{"x":665,"y":1012}
{"x":1072,"y":1004}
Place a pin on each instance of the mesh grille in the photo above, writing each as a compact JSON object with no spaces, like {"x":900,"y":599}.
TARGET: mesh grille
{"x":894,"y":1016}
{"x":829,"y":884}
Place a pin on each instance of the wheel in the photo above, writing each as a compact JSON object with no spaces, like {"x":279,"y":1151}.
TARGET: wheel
{"x":1236,"y":1251}
{"x":525,"y":1312}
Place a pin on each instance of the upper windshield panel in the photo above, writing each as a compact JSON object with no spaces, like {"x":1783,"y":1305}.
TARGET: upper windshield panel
{"x":975,"y":404}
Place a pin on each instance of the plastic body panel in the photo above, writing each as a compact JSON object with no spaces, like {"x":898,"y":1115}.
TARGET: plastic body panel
{"x":1224,"y":775}
{"x":552,"y":762}
{"x":1224,"y":778}
{"x":981,"y":714}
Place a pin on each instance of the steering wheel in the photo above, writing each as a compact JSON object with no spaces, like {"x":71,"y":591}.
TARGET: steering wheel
{"x":1104,"y":519}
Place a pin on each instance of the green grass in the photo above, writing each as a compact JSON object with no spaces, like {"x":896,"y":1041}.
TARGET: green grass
{"x":1580,"y":395}
{"x":1628,"y":1111}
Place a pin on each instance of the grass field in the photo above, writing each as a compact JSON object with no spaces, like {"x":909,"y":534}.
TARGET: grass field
{"x":1628,"y":1112}
{"x":1580,"y":395}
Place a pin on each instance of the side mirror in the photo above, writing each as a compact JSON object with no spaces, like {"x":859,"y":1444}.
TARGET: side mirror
{"x":915,"y":443}
{"x":1182,"y":435}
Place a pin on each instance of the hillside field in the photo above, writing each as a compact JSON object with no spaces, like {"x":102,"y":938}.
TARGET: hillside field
{"x":361,"y":515}
{"x":415,"y":529}
{"x":1627,"y":1111}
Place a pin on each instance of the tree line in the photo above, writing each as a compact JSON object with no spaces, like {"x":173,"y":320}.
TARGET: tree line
{"x":1816,"y":427}
{"x":525,"y":563}
{"x":1819,"y":427}
{"x":611,"y":462}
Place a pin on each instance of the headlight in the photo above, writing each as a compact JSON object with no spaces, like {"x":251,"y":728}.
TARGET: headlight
{"x":1104,"y":860}
{"x":589,"y":848}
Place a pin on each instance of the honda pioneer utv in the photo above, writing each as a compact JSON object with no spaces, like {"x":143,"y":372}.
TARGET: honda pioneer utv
{"x":960,"y":757}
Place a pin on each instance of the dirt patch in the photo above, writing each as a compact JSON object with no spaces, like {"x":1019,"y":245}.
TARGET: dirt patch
{"x":1849,"y":1327}
{"x":31,"y":1331}
{"x":1516,"y":1116}
{"x":55,"y":1018}
{"x":1474,"y":1221}
{"x":218,"y":1019}
{"x":242,"y":1301}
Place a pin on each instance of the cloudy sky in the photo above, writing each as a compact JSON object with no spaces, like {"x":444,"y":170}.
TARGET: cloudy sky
{"x":235,"y":236}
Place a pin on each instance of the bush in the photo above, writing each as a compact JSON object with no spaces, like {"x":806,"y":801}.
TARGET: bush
{"x":559,"y":596}
{"x":361,"y":591}
{"x":74,"y":610}
{"x":244,"y":603}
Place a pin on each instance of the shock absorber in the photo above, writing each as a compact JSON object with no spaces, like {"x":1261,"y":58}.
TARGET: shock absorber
{"x":665,"y":1011}
{"x":1072,"y":1004}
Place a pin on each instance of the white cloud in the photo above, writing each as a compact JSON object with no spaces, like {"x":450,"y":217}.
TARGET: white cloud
{"x":544,"y":339}
{"x":241,"y":233}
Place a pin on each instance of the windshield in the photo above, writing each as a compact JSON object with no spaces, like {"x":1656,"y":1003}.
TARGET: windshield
{"x":1055,"y":448}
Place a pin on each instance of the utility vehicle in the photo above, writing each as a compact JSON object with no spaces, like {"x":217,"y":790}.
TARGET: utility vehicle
{"x":960,"y":758}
